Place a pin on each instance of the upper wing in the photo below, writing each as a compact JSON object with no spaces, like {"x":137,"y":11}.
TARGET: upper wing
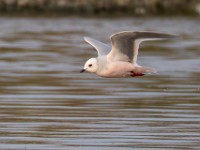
{"x":102,"y":48}
{"x":125,"y":44}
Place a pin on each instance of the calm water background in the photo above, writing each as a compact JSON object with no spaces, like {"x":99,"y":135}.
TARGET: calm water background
{"x":45,"y":103}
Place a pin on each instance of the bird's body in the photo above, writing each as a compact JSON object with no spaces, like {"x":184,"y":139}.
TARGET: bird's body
{"x":116,"y":69}
{"x":112,"y":69}
{"x":120,"y":60}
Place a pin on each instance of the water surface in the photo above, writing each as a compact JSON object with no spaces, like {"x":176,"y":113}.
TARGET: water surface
{"x":45,"y":103}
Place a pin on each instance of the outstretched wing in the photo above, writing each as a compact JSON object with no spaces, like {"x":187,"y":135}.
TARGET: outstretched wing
{"x":102,"y":48}
{"x":125,"y":44}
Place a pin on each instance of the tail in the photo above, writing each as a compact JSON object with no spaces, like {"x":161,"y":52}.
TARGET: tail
{"x":144,"y":70}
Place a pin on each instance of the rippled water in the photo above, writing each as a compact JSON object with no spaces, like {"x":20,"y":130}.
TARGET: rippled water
{"x":45,"y":103}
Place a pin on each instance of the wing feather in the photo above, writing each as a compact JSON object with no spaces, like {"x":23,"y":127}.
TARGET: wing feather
{"x":102,"y":48}
{"x":125,"y":44}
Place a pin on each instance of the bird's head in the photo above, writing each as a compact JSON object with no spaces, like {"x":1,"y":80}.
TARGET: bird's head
{"x":91,"y":65}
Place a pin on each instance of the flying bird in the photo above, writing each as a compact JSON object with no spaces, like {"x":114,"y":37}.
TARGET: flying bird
{"x":120,"y":59}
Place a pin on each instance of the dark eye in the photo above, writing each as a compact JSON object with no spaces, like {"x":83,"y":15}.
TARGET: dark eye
{"x":90,"y":65}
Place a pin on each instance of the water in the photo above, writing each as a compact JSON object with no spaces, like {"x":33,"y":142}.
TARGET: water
{"x":45,"y":103}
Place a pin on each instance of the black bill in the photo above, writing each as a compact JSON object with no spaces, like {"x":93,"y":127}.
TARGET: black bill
{"x":82,"y":70}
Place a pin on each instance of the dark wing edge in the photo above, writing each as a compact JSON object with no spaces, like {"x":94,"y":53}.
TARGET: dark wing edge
{"x":125,"y":44}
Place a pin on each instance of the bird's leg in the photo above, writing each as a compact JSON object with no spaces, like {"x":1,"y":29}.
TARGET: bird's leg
{"x":136,"y":74}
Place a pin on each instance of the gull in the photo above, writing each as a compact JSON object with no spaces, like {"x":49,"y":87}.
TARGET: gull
{"x":120,"y":59}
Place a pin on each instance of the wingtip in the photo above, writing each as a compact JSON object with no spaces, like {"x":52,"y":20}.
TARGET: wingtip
{"x":165,"y":35}
{"x":172,"y":35}
{"x":149,"y":33}
{"x":176,"y":36}
{"x":86,"y":38}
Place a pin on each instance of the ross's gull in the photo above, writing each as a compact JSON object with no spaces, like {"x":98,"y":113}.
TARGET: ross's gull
{"x":120,"y":59}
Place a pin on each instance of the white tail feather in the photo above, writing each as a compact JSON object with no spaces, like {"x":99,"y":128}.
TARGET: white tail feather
{"x":144,"y":70}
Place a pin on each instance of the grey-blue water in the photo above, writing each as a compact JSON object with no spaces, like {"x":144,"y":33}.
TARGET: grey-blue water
{"x":46,"y":104}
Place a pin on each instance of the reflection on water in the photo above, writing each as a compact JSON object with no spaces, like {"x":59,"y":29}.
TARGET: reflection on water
{"x":46,"y":104}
